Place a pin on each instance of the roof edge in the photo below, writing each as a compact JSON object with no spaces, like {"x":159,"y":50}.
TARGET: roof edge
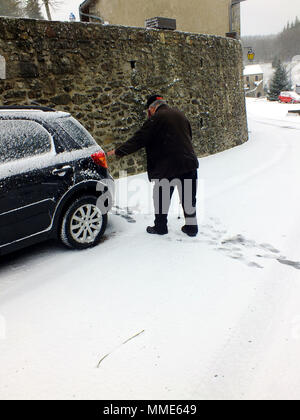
{"x":85,"y":3}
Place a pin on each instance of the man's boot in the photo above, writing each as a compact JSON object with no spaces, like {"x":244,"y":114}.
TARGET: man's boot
{"x":191,"y":231}
{"x":160,"y":225}
{"x":153,"y":230}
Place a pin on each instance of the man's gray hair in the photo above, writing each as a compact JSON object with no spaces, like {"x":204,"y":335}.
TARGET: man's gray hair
{"x":158,"y":103}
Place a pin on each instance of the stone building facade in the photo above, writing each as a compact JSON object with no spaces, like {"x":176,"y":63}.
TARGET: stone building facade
{"x":102,"y":75}
{"x":214,"y":17}
{"x":254,"y":81}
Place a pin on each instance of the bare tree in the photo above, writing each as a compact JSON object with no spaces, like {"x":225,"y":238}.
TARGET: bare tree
{"x":51,"y":4}
{"x":47,"y":7}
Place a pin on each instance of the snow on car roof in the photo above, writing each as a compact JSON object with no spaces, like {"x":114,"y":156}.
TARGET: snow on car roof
{"x":32,"y":113}
{"x":253,"y":69}
{"x":290,"y":94}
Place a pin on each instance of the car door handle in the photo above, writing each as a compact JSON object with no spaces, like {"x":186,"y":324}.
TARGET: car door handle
{"x":62,"y":171}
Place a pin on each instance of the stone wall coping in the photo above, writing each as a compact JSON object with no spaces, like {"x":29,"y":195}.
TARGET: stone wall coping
{"x":100,"y":27}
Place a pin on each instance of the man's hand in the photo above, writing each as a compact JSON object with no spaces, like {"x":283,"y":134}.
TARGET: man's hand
{"x":111,"y":153}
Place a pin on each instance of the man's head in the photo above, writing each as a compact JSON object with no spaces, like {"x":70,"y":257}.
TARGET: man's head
{"x":153,"y":103}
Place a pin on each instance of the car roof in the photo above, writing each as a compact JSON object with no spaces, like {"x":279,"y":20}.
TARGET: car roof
{"x":31,"y":114}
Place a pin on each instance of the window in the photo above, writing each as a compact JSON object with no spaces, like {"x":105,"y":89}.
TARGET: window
{"x":256,"y":78}
{"x":21,"y":139}
{"x":77,"y":132}
{"x":248,"y":78}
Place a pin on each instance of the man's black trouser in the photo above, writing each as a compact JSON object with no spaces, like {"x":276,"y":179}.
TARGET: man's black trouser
{"x":163,"y":190}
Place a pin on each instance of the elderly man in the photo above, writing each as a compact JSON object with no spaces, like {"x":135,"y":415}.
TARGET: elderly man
{"x":171,"y":162}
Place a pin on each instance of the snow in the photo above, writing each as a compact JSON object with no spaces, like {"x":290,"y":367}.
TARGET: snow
{"x":32,"y":113}
{"x":252,"y":70}
{"x":19,"y":139}
{"x":212,"y":317}
{"x":44,"y":160}
{"x":256,"y":86}
{"x":18,"y":154}
{"x":274,"y":112}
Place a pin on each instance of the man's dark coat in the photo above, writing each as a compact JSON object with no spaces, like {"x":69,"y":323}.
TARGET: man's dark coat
{"x":167,"y":137}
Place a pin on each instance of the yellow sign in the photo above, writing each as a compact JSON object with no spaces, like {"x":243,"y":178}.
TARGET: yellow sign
{"x":251,"y":55}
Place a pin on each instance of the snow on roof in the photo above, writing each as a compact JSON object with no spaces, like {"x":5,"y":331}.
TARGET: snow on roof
{"x":253,"y":69}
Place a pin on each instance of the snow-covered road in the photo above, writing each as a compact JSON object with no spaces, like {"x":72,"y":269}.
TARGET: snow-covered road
{"x":219,"y":315}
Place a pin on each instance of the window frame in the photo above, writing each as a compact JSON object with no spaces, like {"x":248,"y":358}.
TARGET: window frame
{"x":74,"y":140}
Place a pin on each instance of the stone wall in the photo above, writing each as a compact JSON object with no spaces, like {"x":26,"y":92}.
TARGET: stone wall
{"x":102,"y":75}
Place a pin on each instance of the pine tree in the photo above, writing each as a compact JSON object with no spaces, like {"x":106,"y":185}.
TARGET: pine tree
{"x":33,"y":9}
{"x":10,"y":8}
{"x":279,"y":82}
{"x":275,"y":62}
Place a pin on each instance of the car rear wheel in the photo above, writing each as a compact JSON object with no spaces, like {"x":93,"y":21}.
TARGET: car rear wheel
{"x":83,"y":224}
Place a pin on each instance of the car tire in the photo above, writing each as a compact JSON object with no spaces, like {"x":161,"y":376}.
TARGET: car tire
{"x":83,"y":224}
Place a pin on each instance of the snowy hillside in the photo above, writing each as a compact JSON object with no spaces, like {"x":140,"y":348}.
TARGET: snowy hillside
{"x":143,"y":317}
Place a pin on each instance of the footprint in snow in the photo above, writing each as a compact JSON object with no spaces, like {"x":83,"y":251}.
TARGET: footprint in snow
{"x":126,"y":213}
{"x":270,"y":248}
{"x":294,"y":264}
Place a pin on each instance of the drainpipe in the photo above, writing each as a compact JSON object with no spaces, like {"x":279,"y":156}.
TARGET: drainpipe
{"x":233,"y":3}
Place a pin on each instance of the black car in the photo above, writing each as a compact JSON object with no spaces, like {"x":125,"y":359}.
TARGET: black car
{"x":52,"y":173}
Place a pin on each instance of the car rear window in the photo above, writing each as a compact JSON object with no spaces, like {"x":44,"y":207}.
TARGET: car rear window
{"x":77,"y":132}
{"x":21,"y":139}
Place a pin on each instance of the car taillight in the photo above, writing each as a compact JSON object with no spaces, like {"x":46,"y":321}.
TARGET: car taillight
{"x":99,"y":158}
